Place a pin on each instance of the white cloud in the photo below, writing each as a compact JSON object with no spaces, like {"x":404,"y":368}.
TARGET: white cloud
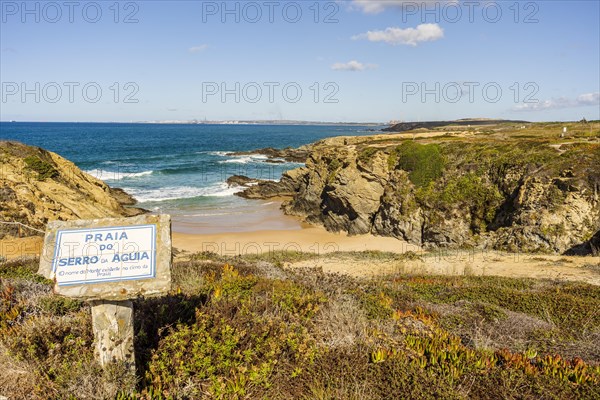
{"x":198,"y":49}
{"x":377,"y":6}
{"x":588,"y":99}
{"x":352,"y":66}
{"x":583,"y":100}
{"x":408,"y":36}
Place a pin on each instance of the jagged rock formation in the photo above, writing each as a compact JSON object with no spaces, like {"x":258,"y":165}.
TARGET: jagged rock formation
{"x":286,"y":187}
{"x":241,"y":180}
{"x":37,"y":186}
{"x":493,"y":190}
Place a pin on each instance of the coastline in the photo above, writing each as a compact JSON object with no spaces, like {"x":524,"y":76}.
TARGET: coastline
{"x":261,"y":227}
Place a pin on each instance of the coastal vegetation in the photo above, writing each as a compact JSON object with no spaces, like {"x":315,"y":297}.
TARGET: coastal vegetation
{"x":424,"y":163}
{"x":246,"y":327}
{"x":44,"y":169}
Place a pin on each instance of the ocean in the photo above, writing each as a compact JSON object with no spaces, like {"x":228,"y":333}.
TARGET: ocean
{"x":180,"y":169}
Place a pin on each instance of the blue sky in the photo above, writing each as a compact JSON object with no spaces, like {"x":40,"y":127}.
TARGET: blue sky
{"x":367,"y":60}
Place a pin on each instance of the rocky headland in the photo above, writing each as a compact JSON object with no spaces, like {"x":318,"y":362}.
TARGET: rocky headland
{"x":508,"y":187}
{"x":37,"y":186}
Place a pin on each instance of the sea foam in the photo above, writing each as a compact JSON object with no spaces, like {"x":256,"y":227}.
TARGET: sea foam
{"x":181,"y":192}
{"x":116,"y":175}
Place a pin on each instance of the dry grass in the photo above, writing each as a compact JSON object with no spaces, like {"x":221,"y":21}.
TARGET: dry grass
{"x":341,"y":323}
{"x":17,"y":378}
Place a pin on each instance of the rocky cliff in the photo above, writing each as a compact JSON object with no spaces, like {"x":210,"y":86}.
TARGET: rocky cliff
{"x":37,"y":186}
{"x":508,"y":188}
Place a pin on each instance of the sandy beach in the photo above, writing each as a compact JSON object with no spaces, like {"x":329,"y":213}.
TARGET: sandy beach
{"x":311,"y":240}
{"x":464,"y":263}
{"x":264,"y":228}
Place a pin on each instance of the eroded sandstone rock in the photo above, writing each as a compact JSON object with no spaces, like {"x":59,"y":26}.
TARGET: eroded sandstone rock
{"x":38,"y":186}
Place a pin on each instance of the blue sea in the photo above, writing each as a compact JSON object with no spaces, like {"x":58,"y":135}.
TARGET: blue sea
{"x":180,"y":169}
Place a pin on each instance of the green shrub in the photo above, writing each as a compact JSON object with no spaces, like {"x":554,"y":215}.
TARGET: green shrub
{"x":367,"y":154}
{"x":424,"y":163}
{"x":376,"y":305}
{"x":43,"y":169}
{"x":333,"y":167}
{"x":57,"y":305}
{"x":392,"y":159}
{"x":22,"y":270}
{"x":240,"y":333}
{"x":571,"y":308}
{"x":482,"y":198}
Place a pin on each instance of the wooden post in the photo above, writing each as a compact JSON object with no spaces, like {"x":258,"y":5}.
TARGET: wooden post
{"x":112,"y":322}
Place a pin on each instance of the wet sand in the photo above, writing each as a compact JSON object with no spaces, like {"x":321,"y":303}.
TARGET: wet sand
{"x":240,"y":216}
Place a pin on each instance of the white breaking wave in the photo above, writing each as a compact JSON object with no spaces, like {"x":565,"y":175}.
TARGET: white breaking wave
{"x":245,"y":159}
{"x":226,"y":191}
{"x":216,"y":153}
{"x":240,"y":160}
{"x":115,"y":175}
{"x":251,"y":158}
{"x":181,"y":192}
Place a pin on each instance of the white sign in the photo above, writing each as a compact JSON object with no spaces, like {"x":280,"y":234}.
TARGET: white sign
{"x":99,"y":255}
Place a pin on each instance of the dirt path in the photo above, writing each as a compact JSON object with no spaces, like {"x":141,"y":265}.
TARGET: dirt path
{"x":583,"y":269}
